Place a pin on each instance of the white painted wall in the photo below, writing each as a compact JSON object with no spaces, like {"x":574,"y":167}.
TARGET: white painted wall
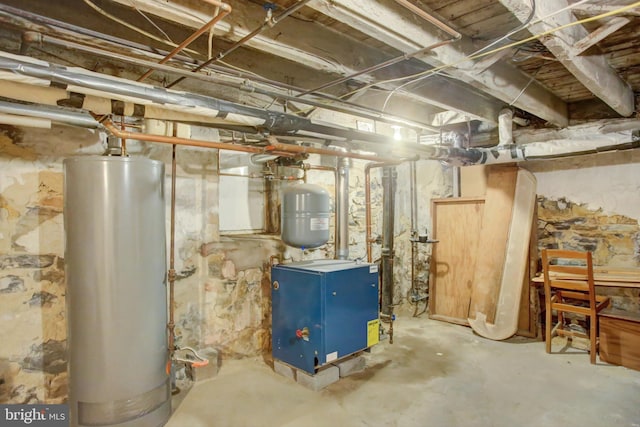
{"x":607,"y":181}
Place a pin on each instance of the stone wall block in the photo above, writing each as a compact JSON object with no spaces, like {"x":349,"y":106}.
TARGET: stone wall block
{"x":613,"y":239}
{"x":11,"y":283}
{"x":42,"y":299}
{"x":50,"y":357}
{"x":26,"y":261}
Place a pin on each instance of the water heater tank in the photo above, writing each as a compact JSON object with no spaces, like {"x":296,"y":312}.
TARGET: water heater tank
{"x":115,"y":258}
{"x":305,"y":216}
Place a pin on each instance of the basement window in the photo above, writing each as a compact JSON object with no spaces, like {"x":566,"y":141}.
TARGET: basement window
{"x":241,"y":194}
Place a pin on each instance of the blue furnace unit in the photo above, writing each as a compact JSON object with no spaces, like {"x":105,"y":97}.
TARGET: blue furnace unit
{"x":322,"y":311}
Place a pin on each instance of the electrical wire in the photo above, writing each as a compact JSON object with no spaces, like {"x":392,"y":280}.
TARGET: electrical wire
{"x":210,"y":39}
{"x":193,"y":359}
{"x":415,"y":78}
{"x":133,"y":5}
{"x":132,"y":27}
{"x":519,"y":28}
{"x":427,"y":73}
{"x":236,"y":68}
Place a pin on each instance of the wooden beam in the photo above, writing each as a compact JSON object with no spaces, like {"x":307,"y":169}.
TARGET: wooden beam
{"x":330,"y":52}
{"x":397,"y":27}
{"x":608,"y":28}
{"x":589,"y":110}
{"x":616,"y":131}
{"x":593,"y":71}
{"x":404,"y":105}
{"x":602,"y":132}
{"x":597,"y":9}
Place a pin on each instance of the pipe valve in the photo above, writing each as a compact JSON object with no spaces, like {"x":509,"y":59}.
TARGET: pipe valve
{"x":303,"y":333}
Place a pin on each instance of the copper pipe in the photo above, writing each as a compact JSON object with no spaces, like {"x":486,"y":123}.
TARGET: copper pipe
{"x":108,"y":124}
{"x":218,"y":3}
{"x":266,"y":24}
{"x":367,"y":202}
{"x":275,"y":145}
{"x":239,"y":175}
{"x":320,"y":168}
{"x":225,"y":10}
{"x":172,"y":272}
{"x":124,"y":140}
{"x":429,"y":18}
{"x":413,"y":274}
{"x":335,"y":196}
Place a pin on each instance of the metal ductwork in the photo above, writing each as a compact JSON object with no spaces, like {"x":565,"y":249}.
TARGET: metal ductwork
{"x":342,"y":209}
{"x":40,"y":73}
{"x":54,"y":114}
{"x":80,"y":84}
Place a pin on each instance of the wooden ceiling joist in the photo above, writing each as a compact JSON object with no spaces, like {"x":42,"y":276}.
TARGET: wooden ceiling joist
{"x":347,"y":55}
{"x":391,"y":24}
{"x":593,"y":71}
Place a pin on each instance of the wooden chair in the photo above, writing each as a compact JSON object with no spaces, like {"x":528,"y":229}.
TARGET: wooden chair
{"x":569,"y":288}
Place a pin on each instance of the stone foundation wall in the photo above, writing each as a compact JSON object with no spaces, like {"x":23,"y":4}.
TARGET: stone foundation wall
{"x":32,"y":284}
{"x":614,"y":240}
{"x":222,"y":291}
{"x":592,"y":203}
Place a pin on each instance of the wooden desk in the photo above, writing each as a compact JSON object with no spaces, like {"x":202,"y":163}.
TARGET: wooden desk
{"x":620,"y":338}
{"x":604,"y":276}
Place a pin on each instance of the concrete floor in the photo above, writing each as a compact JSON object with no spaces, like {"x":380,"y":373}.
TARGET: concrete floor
{"x":435,"y":374}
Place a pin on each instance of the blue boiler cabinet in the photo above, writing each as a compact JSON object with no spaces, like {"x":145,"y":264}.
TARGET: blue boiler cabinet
{"x":323,"y":310}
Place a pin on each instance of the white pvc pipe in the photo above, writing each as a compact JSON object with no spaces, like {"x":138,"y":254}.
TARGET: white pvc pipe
{"x":505,"y":127}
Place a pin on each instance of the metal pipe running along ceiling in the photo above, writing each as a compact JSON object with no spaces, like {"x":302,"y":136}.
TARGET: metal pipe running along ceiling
{"x":41,"y":73}
{"x":70,"y":37}
{"x":280,"y":123}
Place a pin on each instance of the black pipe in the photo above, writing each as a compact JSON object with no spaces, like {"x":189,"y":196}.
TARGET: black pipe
{"x":389,"y":178}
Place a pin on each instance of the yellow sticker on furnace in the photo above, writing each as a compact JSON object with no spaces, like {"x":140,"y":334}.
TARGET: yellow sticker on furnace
{"x":373,"y":332}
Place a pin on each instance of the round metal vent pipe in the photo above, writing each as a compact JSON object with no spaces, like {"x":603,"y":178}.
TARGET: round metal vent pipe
{"x":342,"y":209}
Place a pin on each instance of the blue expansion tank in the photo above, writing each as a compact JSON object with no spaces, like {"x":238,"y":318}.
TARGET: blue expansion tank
{"x":323,"y":310}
